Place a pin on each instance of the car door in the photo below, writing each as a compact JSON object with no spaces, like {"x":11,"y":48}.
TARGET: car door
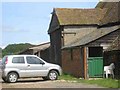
{"x":18,"y":64}
{"x":36,"y":67}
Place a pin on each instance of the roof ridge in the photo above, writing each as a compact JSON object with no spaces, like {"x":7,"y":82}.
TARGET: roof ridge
{"x":42,"y":44}
{"x":79,"y":8}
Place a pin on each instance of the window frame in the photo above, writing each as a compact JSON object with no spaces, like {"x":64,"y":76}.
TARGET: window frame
{"x":17,"y":60}
{"x":41,"y":62}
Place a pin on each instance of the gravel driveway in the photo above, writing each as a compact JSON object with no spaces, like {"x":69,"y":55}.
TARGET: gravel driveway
{"x":39,"y":83}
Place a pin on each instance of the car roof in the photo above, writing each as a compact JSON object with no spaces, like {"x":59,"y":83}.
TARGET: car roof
{"x":18,"y":55}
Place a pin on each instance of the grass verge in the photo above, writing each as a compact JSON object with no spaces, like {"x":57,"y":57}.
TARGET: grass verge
{"x":109,"y":83}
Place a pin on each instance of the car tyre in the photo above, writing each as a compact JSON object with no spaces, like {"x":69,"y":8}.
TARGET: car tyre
{"x":53,"y":75}
{"x":12,"y":77}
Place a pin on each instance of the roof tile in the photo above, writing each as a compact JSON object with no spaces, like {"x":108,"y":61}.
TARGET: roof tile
{"x":74,"y":16}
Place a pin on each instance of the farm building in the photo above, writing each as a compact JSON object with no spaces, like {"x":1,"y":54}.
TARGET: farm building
{"x":80,"y":37}
{"x":87,"y":53}
{"x":41,"y":50}
{"x":69,"y":24}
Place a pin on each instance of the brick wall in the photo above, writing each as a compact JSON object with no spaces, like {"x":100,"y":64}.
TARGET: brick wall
{"x":71,"y":63}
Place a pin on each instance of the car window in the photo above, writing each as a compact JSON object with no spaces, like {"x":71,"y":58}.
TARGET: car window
{"x":18,"y":60}
{"x":4,"y":60}
{"x":33,"y":60}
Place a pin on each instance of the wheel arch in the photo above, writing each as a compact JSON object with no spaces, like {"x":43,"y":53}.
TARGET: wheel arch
{"x":54,"y":70}
{"x":14,"y":72}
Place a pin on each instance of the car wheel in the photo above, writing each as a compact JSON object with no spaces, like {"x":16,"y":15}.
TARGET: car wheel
{"x":53,"y":75}
{"x":12,"y":77}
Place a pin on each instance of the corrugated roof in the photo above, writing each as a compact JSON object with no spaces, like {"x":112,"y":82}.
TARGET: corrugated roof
{"x":36,"y":48}
{"x":74,"y":16}
{"x":91,"y":37}
{"x":41,"y":46}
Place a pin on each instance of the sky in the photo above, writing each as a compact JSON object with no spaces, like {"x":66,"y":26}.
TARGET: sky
{"x":28,"y":22}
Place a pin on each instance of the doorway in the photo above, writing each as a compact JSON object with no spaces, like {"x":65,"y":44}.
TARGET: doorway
{"x":95,"y":61}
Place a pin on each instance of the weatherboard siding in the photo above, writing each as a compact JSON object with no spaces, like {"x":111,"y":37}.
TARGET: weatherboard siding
{"x":106,"y":39}
{"x":55,"y":48}
{"x":71,"y":33}
{"x":54,"y":24}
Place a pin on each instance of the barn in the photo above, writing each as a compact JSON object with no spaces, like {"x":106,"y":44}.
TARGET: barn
{"x":80,"y":38}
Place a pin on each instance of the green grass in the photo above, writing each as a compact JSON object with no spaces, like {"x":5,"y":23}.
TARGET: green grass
{"x":109,"y":83}
{"x":67,"y":77}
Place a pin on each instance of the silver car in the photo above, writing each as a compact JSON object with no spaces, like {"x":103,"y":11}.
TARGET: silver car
{"x":23,"y":66}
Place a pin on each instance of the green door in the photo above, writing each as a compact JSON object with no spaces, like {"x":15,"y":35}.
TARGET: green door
{"x":95,"y":66}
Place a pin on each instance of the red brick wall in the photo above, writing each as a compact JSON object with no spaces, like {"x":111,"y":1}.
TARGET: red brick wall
{"x":71,"y":63}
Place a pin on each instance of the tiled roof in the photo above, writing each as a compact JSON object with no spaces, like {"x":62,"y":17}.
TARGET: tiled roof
{"x":70,"y":16}
{"x":112,"y":14}
{"x":96,"y":34}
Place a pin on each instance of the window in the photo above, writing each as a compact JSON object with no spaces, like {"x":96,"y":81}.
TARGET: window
{"x":95,"y":51}
{"x":4,"y":60}
{"x":18,"y":60}
{"x":33,"y":60}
